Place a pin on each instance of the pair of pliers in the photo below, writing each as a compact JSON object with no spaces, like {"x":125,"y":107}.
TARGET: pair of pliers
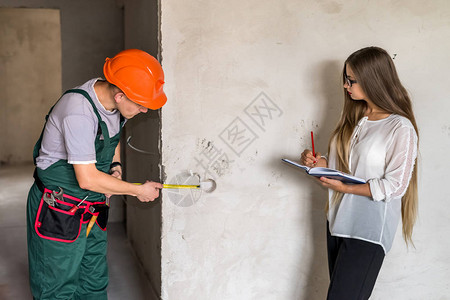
{"x":49,"y":199}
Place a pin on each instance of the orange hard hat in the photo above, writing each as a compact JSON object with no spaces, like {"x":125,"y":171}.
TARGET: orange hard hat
{"x":139,"y":75}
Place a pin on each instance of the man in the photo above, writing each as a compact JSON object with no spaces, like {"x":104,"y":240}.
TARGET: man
{"x":77,"y":162}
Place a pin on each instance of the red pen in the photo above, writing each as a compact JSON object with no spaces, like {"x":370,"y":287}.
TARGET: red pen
{"x":312,"y":142}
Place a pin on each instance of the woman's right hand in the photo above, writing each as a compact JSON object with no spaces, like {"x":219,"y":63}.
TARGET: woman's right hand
{"x":307,"y":158}
{"x":149,"y":191}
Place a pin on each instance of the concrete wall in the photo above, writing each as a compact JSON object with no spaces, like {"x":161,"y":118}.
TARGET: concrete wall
{"x":144,"y":220}
{"x":247,"y":81}
{"x":90,"y":31}
{"x":30,"y":77}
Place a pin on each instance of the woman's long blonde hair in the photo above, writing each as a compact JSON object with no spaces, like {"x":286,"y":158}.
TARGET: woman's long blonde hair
{"x":376,"y":74}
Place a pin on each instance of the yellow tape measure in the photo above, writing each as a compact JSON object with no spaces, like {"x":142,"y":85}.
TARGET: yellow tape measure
{"x":176,"y":186}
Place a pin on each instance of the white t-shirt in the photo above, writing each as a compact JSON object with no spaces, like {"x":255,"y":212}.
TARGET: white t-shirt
{"x":383,"y":152}
{"x":72,"y":127}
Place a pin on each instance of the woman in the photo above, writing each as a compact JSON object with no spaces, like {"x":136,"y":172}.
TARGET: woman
{"x":375,"y":139}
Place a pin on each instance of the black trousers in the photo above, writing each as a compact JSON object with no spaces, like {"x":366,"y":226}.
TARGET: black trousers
{"x":354,"y":266}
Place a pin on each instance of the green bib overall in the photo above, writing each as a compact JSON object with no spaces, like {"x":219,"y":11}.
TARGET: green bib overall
{"x":64,"y":265}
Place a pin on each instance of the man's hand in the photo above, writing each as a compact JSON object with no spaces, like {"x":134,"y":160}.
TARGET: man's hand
{"x":117,"y":174}
{"x":149,"y":191}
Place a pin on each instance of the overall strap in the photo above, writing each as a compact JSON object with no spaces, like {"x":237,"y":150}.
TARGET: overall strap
{"x":86,"y":95}
{"x":103,"y":129}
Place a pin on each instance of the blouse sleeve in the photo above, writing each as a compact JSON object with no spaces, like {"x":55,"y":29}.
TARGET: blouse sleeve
{"x":400,"y":159}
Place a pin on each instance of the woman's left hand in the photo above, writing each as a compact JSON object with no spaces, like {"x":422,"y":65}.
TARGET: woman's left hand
{"x":333,"y":184}
{"x":338,"y":186}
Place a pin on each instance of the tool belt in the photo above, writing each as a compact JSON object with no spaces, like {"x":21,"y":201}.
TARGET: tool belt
{"x":55,"y":221}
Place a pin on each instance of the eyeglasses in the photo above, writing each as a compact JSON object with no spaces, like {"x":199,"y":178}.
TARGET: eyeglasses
{"x":348,"y":81}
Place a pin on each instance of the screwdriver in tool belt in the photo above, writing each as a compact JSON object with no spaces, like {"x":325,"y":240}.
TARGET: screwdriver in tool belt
{"x":75,"y":208}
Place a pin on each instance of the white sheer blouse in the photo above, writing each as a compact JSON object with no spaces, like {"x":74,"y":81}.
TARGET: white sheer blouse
{"x":383,"y":152}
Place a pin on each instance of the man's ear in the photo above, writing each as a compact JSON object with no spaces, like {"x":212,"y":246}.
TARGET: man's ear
{"x":119,"y":97}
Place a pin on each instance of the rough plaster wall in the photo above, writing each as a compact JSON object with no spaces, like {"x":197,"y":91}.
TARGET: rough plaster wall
{"x":261,"y":234}
{"x":30,"y":77}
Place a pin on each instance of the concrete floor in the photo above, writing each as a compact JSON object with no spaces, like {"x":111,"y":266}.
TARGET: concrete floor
{"x":127,"y":280}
